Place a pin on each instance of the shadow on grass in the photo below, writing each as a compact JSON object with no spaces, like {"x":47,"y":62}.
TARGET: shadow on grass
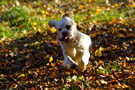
{"x":34,"y":49}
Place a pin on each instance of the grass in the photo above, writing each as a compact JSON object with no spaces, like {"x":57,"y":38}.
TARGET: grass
{"x":19,"y":19}
{"x":15,"y":21}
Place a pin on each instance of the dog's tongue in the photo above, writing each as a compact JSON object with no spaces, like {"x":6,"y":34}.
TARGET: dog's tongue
{"x":65,"y":39}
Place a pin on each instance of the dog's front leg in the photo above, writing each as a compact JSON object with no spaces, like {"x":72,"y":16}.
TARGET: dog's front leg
{"x":83,"y":61}
{"x":64,"y":64}
{"x":68,"y":60}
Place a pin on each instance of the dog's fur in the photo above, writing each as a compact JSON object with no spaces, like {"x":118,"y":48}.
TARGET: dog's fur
{"x":75,"y":44}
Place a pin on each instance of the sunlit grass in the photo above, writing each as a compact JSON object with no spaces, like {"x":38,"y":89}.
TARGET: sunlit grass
{"x":18,"y":20}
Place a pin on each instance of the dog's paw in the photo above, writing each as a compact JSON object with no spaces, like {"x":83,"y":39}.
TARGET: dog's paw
{"x":63,"y":67}
{"x":73,"y":66}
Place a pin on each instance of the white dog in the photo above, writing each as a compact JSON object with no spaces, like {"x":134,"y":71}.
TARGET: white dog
{"x":75,"y":44}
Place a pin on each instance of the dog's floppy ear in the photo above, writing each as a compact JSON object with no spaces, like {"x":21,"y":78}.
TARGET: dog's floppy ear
{"x":52,"y":23}
{"x":67,"y":15}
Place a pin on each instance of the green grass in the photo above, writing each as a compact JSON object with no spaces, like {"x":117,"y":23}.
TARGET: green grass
{"x":15,"y":21}
{"x":12,"y":21}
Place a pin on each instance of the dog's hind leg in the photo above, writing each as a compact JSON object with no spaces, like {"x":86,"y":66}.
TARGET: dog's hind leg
{"x":83,"y":61}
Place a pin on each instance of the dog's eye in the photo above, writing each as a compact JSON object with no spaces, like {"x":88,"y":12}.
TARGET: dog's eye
{"x":68,"y":26}
{"x":59,"y":29}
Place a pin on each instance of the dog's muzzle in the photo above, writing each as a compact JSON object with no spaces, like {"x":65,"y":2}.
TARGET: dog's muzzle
{"x":65,"y":39}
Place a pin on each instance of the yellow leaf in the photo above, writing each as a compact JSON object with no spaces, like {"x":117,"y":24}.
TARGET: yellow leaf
{"x":98,"y":52}
{"x":98,"y":11}
{"x":133,"y":5}
{"x":124,"y":64}
{"x":69,"y":80}
{"x":125,"y":86}
{"x":75,"y":72}
{"x":126,"y":24}
{"x":15,"y":86}
{"x":53,"y":64}
{"x":100,"y":62}
{"x":37,"y":70}
{"x":29,"y":20}
{"x":34,"y":24}
{"x":81,"y":77}
{"x":131,"y":77}
{"x":116,"y":5}
{"x":50,"y":69}
{"x":120,"y":29}
{"x":22,"y":75}
{"x":2,"y":44}
{"x":50,"y":59}
{"x":44,"y":16}
{"x":47,"y":56}
{"x":34,"y":28}
{"x":90,"y":0}
{"x":42,"y":11}
{"x":53,"y":30}
{"x":47,"y":64}
{"x":81,"y":7}
{"x":46,"y":13}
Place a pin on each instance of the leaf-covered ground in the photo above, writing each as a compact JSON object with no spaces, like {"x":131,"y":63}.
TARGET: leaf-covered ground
{"x":31,"y":58}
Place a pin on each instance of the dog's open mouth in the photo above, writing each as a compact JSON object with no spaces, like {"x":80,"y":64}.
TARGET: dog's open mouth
{"x":65,"y":39}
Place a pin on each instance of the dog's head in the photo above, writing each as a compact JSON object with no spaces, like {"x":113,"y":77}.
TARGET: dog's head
{"x":65,"y":28}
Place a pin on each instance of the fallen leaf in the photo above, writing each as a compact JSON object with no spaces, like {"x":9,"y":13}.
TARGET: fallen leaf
{"x":81,"y":77}
{"x":53,"y":30}
{"x":100,"y":62}
{"x":21,"y":76}
{"x":50,"y":59}
{"x":98,"y":52}
{"x":34,"y":24}
{"x":80,"y":7}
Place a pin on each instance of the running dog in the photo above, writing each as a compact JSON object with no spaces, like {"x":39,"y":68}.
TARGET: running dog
{"x":75,"y":44}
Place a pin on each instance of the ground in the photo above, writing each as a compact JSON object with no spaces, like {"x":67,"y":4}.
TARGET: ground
{"x":30,"y":56}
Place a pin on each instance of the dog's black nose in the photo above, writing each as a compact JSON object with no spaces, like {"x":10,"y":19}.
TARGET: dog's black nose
{"x":64,"y":33}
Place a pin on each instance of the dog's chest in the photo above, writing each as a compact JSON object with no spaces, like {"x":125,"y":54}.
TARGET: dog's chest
{"x":72,"y":50}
